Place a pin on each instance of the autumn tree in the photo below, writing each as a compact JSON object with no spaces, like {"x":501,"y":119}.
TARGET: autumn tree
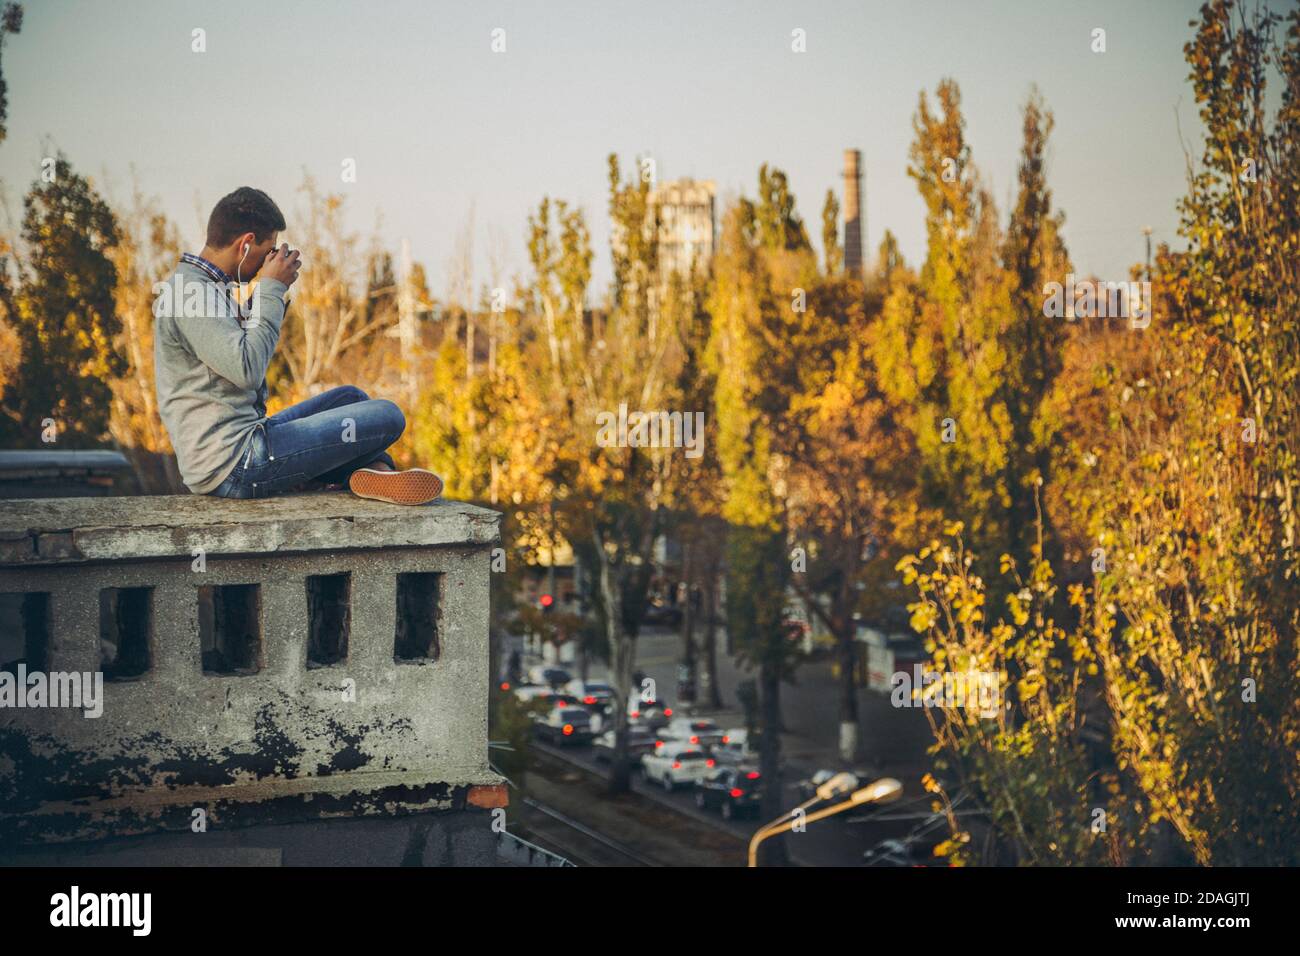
{"x":762,"y":262}
{"x":1189,"y":500}
{"x":336,"y":313}
{"x":65,"y":316}
{"x":146,"y":254}
{"x":1176,"y":467}
{"x":850,"y":497}
{"x":834,"y":254}
{"x":965,"y":346}
{"x":1033,"y":254}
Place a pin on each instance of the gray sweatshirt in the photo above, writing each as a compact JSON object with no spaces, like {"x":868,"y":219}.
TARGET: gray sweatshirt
{"x":210,"y":371}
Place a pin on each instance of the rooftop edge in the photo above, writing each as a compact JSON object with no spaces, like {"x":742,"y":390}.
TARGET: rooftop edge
{"x":52,"y":531}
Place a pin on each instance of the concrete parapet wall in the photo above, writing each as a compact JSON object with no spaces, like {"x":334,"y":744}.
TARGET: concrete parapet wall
{"x":368,"y":734}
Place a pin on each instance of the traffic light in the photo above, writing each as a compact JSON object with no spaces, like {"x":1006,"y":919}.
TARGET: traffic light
{"x":546,"y":601}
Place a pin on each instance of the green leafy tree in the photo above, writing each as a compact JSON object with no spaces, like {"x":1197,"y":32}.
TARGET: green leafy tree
{"x":831,"y":234}
{"x":1190,"y":495}
{"x":1177,"y":466}
{"x":1034,"y":254}
{"x":762,"y":249}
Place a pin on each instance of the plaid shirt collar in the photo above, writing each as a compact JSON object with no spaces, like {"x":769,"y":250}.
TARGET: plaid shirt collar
{"x":215,"y":273}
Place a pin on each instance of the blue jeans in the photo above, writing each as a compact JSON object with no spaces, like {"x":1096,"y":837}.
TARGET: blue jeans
{"x":325,"y":438}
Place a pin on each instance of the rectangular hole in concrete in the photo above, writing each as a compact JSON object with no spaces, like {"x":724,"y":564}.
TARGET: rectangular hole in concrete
{"x":329,"y":617}
{"x":417,"y":617}
{"x":230,"y":629}
{"x":24,"y":631}
{"x":125,"y":632}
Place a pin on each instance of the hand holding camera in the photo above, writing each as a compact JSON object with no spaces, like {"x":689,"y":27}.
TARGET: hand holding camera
{"x":282,"y":264}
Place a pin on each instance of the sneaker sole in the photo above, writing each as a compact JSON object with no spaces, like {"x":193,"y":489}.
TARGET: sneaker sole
{"x":414,"y":486}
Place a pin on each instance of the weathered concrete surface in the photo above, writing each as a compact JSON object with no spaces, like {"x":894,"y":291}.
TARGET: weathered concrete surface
{"x":365,"y":736}
{"x":49,"y":473}
{"x":61,"y":530}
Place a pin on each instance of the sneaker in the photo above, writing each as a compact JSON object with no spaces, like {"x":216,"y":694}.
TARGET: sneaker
{"x":415,"y":486}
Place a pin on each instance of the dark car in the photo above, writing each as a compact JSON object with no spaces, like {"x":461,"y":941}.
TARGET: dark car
{"x":564,"y":725}
{"x":914,"y":849}
{"x":736,"y":791}
{"x":554,"y":677}
{"x":662,"y":615}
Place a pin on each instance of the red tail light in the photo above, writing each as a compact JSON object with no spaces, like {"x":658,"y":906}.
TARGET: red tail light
{"x":588,"y":700}
{"x":668,"y":711}
{"x":568,"y":729}
{"x":710,"y":762}
{"x":505,"y":685}
{"x":726,"y":739}
{"x":752,"y":775}
{"x":677,"y":765}
{"x":658,"y":744}
{"x":636,"y":713}
{"x":737,"y":792}
{"x":695,"y":740}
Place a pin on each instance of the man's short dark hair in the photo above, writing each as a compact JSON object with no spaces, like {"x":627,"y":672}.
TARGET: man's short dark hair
{"x":245,"y":210}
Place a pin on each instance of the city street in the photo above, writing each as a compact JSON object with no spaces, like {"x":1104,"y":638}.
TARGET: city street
{"x":892,"y":743}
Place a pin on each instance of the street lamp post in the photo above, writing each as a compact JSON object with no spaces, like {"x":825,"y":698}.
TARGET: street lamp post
{"x":884,"y":790}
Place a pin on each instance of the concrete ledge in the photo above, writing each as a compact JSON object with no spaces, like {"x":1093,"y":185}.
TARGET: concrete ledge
{"x":43,"y":531}
{"x":251,"y":715}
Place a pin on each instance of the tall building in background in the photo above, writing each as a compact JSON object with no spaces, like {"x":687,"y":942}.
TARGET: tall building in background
{"x":853,"y":212}
{"x":686,"y":232}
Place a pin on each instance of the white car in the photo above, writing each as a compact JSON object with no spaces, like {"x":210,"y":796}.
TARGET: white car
{"x":527,"y":693}
{"x":642,"y":715}
{"x":698,"y":731}
{"x":735,"y":747}
{"x":590,"y":693}
{"x":651,"y":714}
{"x":672,"y":766}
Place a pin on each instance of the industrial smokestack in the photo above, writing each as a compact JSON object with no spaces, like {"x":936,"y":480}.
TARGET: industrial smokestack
{"x":853,"y":212}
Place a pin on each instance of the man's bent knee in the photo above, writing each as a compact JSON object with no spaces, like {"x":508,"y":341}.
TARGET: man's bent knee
{"x":393,"y":420}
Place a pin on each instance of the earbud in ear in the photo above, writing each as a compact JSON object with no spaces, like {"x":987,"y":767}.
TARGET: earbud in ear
{"x":247,"y":246}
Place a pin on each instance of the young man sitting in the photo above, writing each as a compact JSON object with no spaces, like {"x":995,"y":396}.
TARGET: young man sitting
{"x":211,"y":353}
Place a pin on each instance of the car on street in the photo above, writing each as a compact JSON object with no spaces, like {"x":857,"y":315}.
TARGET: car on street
{"x":563,"y":726}
{"x":914,"y":849}
{"x":644,"y":714}
{"x":651,"y":714}
{"x":735,"y":791}
{"x":527,"y":693}
{"x":549,"y":675}
{"x":639,"y":743}
{"x":692,"y":730}
{"x":592,"y":694}
{"x":662,"y":615}
{"x":736,"y":747}
{"x":535,"y":694}
{"x":676,"y":765}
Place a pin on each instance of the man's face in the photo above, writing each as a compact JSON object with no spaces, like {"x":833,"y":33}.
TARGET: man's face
{"x":257,"y":254}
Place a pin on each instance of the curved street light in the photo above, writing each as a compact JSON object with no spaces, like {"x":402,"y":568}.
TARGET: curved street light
{"x":884,"y":790}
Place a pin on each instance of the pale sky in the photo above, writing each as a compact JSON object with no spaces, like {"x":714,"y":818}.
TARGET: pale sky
{"x":439,"y":124}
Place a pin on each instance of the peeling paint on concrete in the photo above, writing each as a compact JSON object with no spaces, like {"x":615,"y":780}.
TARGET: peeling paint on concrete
{"x":284,"y":743}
